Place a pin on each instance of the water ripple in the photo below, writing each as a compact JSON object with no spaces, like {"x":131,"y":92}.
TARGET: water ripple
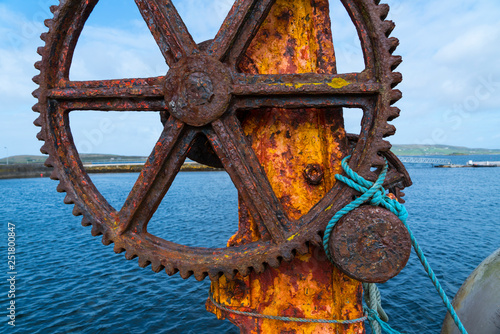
{"x":68,"y":282}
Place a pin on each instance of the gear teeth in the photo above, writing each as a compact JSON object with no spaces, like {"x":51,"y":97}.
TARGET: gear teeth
{"x":396,"y":79}
{"x":37,"y":79}
{"x":393,"y":113}
{"x":302,"y":249}
{"x":60,"y":188}
{"x":38,"y":121}
{"x":244,"y":271}
{"x":316,"y":240}
{"x":36,"y":108}
{"x":259,"y":268}
{"x":157,"y":266}
{"x":40,"y":136}
{"x":274,"y":263}
{"x":96,"y":231}
{"x":400,"y":198}
{"x":36,"y":93}
{"x":143,"y":262}
{"x":54,"y":9}
{"x":40,"y":50}
{"x":396,"y":61}
{"x":396,"y":95}
{"x":118,"y":249}
{"x":388,"y":27}
{"x":76,"y":210}
{"x":43,"y":36}
{"x":106,"y":240}
{"x":38,"y":65}
{"x":86,"y":222}
{"x":378,"y":161}
{"x":393,"y":44}
{"x":230,"y":274}
{"x":130,"y":255}
{"x":384,"y":146}
{"x":200,"y":276}
{"x":383,"y":11}
{"x":185,"y":274}
{"x":390,"y":130}
{"x":55,"y":176}
{"x":45,"y":148}
{"x":68,"y":200}
{"x":214,"y":275}
{"x":170,"y":270}
{"x":287,"y":255}
{"x":48,"y":23}
{"x":49,"y":162}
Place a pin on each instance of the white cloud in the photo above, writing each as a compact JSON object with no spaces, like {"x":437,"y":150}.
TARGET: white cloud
{"x":450,"y":48}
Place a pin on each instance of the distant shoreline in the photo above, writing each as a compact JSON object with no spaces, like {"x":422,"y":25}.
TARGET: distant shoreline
{"x":19,"y":170}
{"x":26,"y":171}
{"x":399,"y":150}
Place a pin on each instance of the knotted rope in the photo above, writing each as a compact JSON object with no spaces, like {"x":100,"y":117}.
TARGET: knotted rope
{"x":373,"y":300}
{"x":374,"y":194}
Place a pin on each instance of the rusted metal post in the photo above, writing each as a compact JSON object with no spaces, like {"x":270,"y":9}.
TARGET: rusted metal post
{"x":300,"y":152}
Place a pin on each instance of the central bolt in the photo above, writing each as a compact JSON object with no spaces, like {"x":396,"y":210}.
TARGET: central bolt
{"x":199,"y":88}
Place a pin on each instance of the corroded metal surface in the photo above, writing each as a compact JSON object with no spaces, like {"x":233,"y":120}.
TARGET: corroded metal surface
{"x":370,"y":244}
{"x":281,"y":235}
{"x":300,"y":158}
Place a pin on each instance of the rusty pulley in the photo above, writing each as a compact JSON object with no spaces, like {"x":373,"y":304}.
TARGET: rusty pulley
{"x":200,"y":100}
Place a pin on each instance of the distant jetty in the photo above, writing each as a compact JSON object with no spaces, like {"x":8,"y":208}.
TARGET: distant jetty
{"x":471,"y":163}
{"x":21,"y":171}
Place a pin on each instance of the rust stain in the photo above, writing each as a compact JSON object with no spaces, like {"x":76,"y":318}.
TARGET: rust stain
{"x":286,"y":142}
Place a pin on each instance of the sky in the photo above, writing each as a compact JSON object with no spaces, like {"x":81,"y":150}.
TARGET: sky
{"x":451,"y":70}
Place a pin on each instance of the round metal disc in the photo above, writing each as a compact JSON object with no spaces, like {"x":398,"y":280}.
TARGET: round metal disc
{"x":370,"y":244}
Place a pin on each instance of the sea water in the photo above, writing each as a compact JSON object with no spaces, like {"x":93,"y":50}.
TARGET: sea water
{"x":68,"y":282}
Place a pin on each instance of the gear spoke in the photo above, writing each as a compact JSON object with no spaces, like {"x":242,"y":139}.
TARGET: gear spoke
{"x":167,"y":28}
{"x":122,"y":88}
{"x":308,"y":90}
{"x":107,"y":95}
{"x":311,"y":101}
{"x":156,"y":177}
{"x":301,"y":85}
{"x":241,"y":163}
{"x":232,"y":26}
{"x":239,"y":28}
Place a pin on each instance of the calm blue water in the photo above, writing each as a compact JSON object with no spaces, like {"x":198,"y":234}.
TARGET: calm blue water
{"x":68,"y":282}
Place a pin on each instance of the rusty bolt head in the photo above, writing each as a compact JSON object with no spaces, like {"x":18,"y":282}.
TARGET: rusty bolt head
{"x":370,"y":244}
{"x":313,"y":173}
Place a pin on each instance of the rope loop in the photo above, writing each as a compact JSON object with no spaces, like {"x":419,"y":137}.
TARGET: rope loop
{"x":286,"y":319}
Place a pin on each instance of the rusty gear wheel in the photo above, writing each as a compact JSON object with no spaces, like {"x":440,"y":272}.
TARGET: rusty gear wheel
{"x":201,"y":94}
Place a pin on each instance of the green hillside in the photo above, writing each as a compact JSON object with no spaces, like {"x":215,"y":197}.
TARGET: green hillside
{"x":412,"y":150}
{"x":440,"y":150}
{"x":26,"y":159}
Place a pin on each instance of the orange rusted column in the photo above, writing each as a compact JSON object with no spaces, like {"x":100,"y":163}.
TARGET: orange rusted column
{"x":295,"y":38}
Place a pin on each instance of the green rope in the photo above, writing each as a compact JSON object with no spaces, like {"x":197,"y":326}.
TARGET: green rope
{"x":373,"y":300}
{"x":374,"y":193}
{"x":287,"y":319}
